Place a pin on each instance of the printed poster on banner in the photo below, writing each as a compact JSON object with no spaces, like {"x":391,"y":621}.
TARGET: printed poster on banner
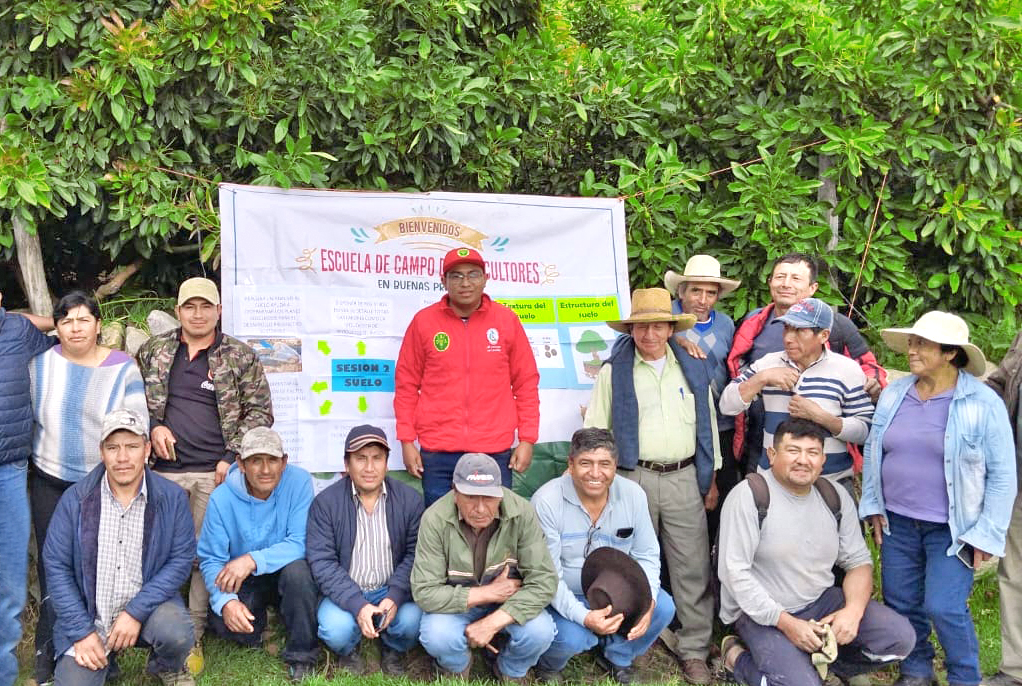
{"x":323,"y":284}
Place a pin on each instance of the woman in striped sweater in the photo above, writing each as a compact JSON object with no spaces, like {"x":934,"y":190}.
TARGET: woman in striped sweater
{"x":74,"y":385}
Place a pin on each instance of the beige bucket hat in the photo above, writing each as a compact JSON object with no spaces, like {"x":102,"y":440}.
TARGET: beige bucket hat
{"x":700,"y":268}
{"x":939,"y":327}
{"x":653,"y":305}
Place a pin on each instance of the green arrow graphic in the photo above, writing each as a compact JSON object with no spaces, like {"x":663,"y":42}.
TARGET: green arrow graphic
{"x":319,"y":386}
{"x":361,"y":347}
{"x":363,"y":404}
{"x":323,"y":347}
{"x":324,"y":409}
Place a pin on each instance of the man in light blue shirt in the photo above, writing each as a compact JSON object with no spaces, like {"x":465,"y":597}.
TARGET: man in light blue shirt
{"x":585,"y":509}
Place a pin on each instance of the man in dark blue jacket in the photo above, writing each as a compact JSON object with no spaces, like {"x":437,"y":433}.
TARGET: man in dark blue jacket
{"x":360,"y":543}
{"x":119,"y":547}
{"x":20,"y":341}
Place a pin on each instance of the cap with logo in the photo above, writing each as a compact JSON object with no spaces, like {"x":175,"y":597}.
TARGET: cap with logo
{"x":462,"y":256}
{"x":478,"y":474}
{"x":810,"y":313}
{"x":124,"y":420}
{"x":198,"y":287}
{"x":262,"y":440}
{"x":363,"y":435}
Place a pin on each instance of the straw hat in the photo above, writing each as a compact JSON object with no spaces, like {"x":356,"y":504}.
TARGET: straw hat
{"x":700,"y":268}
{"x":939,"y":327}
{"x":653,"y":305}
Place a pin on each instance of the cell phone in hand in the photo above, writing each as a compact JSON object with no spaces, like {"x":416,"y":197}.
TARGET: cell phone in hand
{"x":378,"y":620}
{"x":171,"y":455}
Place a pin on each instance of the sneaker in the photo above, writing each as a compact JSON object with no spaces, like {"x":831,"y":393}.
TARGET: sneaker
{"x":1002,"y":679}
{"x":352,"y":663}
{"x":195,"y":661}
{"x":44,"y":666}
{"x":696,"y":671}
{"x":391,"y":661}
{"x":622,"y":675}
{"x":182,"y":678}
{"x":300,"y":671}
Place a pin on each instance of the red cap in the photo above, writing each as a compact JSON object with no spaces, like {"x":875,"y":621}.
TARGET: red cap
{"x":462,"y":256}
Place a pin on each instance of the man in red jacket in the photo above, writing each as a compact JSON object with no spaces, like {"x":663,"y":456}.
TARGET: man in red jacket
{"x":466,"y":381}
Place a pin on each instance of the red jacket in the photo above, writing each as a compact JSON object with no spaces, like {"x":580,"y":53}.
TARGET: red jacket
{"x":466,"y":386}
{"x":849,"y":343}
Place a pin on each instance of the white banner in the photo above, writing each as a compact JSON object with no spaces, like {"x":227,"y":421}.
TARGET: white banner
{"x":322,"y":284}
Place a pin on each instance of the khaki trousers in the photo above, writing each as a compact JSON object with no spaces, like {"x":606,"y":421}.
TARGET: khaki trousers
{"x":198,"y":485}
{"x":1009,"y":578}
{"x":679,"y":517}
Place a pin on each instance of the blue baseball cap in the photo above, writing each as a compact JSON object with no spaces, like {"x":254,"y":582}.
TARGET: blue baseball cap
{"x":810,"y":313}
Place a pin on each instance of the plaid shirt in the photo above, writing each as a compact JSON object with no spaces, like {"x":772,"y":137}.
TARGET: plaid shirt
{"x":372,"y":562}
{"x":119,"y":560}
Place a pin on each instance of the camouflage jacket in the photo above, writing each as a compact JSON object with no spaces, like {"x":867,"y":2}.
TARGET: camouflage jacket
{"x":242,"y":392}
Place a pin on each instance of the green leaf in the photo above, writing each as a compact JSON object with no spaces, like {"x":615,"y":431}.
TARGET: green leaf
{"x":280,"y":130}
{"x":424,"y":46}
{"x":247,"y":73}
{"x":26,"y":190}
{"x":36,"y":42}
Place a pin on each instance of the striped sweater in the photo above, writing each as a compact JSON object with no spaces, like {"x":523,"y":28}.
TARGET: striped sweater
{"x":834,"y":382}
{"x":69,"y":402}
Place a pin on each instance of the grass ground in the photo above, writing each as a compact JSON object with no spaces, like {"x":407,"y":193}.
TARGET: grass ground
{"x":229,"y":665}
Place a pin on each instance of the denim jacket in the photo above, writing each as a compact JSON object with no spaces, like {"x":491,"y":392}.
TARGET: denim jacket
{"x":979,"y":463}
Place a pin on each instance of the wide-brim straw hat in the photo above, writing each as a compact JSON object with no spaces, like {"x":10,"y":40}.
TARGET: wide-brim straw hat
{"x":700,"y":268}
{"x":653,"y":305}
{"x":939,"y":327}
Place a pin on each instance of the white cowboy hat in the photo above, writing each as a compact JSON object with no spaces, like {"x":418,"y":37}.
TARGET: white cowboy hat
{"x":653,"y":305}
{"x":939,"y":327}
{"x":700,"y":268}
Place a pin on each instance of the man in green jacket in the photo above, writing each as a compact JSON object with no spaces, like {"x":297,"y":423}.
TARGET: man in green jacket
{"x":481,"y":568}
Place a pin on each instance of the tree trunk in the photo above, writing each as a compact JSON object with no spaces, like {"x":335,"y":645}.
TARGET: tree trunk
{"x":30,"y":261}
{"x":828,"y":194}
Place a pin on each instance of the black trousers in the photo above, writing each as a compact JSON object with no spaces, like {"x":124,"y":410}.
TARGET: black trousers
{"x":44,"y":493}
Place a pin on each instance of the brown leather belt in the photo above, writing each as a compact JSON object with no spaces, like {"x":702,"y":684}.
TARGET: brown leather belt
{"x":665,"y":467}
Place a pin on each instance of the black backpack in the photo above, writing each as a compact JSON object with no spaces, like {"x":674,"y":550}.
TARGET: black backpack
{"x":761,"y":496}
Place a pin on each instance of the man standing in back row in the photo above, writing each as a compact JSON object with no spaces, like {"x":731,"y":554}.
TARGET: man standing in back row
{"x":204,"y":389}
{"x":466,"y":380}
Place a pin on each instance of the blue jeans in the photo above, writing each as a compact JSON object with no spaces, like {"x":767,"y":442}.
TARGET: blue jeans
{"x":926,"y":585}
{"x":13,"y":563}
{"x":443,"y":637}
{"x":168,"y":631}
{"x":438,"y":472}
{"x":341,"y":633}
{"x":572,"y":638}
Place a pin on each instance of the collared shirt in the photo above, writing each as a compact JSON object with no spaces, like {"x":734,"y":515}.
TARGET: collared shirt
{"x":477,"y":543}
{"x":667,"y":410}
{"x":119,"y":556}
{"x":372,"y":562}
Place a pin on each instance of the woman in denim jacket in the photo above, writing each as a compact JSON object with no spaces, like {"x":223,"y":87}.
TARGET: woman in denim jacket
{"x":938,"y":487}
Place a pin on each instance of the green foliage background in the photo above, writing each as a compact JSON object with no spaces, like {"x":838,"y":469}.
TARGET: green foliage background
{"x":718,"y":120}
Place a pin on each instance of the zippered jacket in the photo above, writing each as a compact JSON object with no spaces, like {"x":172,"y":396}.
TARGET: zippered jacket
{"x":466,"y":386}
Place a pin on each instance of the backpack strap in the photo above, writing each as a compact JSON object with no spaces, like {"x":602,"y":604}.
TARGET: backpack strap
{"x":760,"y":495}
{"x":826,"y":488}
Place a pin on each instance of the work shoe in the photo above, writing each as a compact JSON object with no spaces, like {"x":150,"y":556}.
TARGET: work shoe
{"x":1002,"y":679}
{"x":545,"y":676}
{"x":300,"y":671}
{"x":622,"y":675}
{"x":352,"y":663}
{"x":915,"y":681}
{"x":195,"y":662}
{"x":391,"y":661}
{"x":182,"y":678}
{"x":696,"y":671}
{"x":441,"y":673}
{"x":501,"y":678}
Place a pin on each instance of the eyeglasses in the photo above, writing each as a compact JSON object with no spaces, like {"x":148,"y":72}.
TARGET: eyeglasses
{"x":589,"y":540}
{"x":474,"y":276}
